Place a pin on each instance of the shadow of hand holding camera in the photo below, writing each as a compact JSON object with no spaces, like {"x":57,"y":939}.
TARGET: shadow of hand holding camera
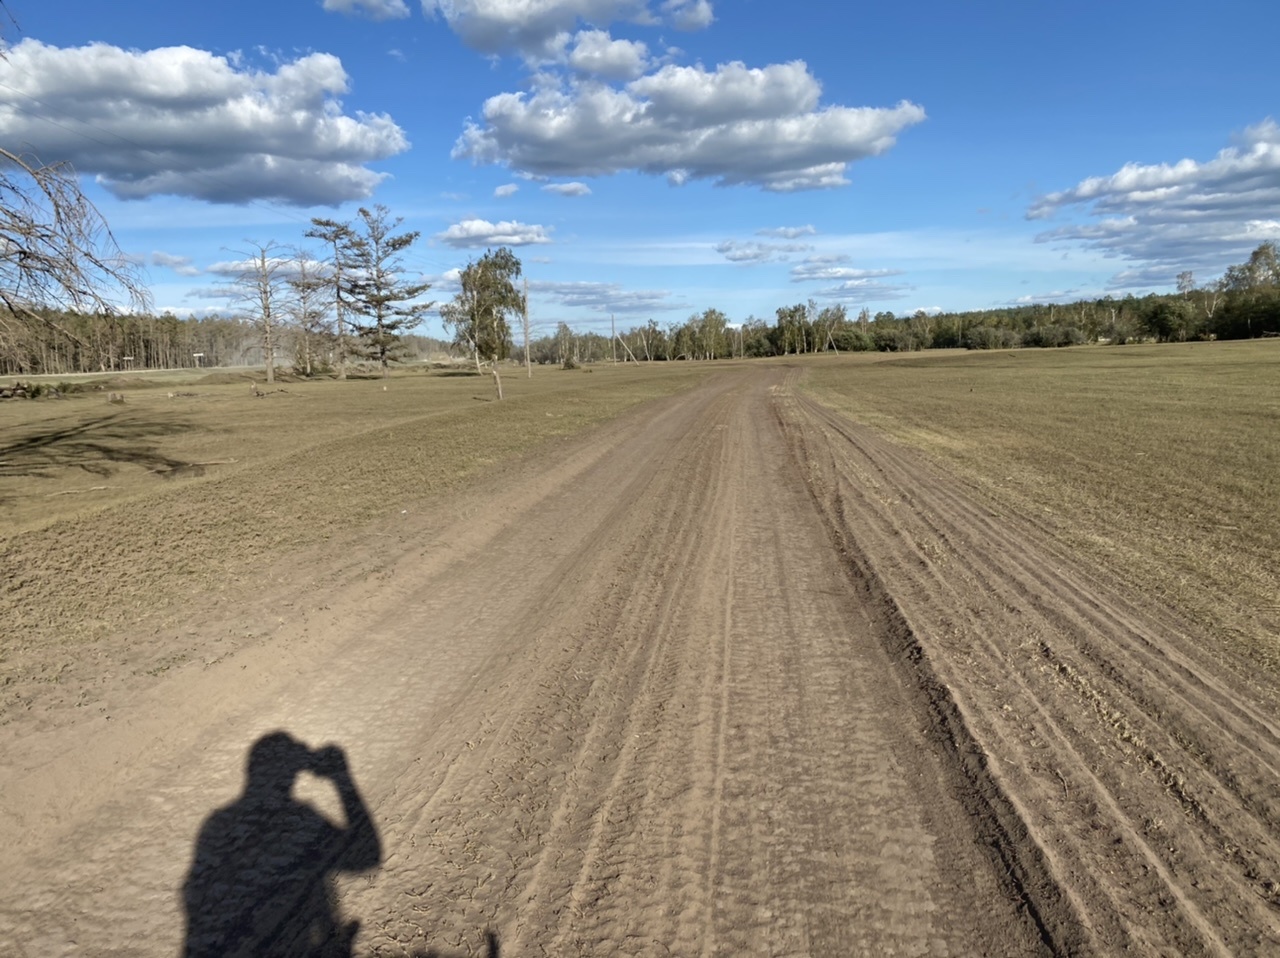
{"x":261,"y":880}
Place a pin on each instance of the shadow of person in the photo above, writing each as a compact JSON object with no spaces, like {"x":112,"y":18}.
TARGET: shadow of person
{"x":261,"y":880}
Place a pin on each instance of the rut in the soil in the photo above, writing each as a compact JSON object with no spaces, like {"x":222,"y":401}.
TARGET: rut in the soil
{"x":1140,"y":765}
{"x":729,"y":676}
{"x":699,"y":746}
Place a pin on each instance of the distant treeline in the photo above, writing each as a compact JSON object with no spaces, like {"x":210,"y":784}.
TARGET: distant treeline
{"x":1243,"y":303}
{"x":61,"y":343}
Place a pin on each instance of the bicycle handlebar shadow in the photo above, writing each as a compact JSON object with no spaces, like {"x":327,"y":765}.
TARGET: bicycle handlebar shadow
{"x":260,"y":882}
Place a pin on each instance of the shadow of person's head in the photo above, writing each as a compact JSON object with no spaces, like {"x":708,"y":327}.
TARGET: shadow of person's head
{"x":273,"y":764}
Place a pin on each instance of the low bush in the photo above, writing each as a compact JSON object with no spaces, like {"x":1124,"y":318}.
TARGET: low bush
{"x":1050,"y":336}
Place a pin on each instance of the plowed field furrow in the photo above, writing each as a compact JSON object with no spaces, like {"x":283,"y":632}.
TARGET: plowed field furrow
{"x":729,"y":676}
{"x":1100,"y":717}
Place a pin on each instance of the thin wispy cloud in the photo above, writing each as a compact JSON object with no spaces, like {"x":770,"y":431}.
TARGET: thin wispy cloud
{"x":827,"y":268}
{"x":860,"y":291}
{"x":604,"y":297}
{"x":788,"y":232}
{"x":736,"y":251}
{"x":567,"y":189}
{"x":181,"y":265}
{"x":373,"y":9}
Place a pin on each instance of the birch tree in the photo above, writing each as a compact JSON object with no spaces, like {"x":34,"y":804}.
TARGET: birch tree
{"x":479,"y":311}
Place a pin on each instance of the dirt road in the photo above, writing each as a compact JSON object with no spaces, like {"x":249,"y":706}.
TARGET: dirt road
{"x":730,"y":676}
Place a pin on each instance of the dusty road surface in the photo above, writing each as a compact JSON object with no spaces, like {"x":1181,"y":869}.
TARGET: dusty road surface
{"x":730,"y":676}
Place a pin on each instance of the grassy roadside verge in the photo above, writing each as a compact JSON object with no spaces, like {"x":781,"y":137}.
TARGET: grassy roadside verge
{"x":1161,"y":463}
{"x":306,"y":464}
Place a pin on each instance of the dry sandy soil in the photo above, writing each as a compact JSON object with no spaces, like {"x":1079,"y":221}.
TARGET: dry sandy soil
{"x":731,"y":675}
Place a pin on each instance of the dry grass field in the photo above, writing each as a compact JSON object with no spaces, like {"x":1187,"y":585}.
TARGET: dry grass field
{"x":944,"y":654}
{"x":192,"y":485}
{"x":1162,"y":463}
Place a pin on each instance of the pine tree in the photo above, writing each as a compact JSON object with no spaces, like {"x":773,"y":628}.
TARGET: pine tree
{"x":382,"y":303}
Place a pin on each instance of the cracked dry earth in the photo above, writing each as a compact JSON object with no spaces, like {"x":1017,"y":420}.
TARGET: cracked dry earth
{"x":731,"y":675}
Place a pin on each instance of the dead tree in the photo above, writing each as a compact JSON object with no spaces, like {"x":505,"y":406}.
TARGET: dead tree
{"x":257,"y":282}
{"x":57,"y":253}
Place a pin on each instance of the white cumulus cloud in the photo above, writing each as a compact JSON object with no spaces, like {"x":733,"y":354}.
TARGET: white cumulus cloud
{"x":694,"y":97}
{"x":446,"y":283}
{"x":505,"y":190}
{"x":1166,"y":217}
{"x":477,"y":233}
{"x":535,"y":28}
{"x":540,"y":29}
{"x":183,"y":121}
{"x":689,"y":14}
{"x":598,"y":54}
{"x":733,"y":125}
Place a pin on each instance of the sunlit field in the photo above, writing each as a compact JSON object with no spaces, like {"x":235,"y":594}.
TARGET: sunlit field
{"x":1163,"y":462}
{"x":196,"y":482}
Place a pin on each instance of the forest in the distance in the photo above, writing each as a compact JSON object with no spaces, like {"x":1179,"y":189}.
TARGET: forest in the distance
{"x":1243,"y":303}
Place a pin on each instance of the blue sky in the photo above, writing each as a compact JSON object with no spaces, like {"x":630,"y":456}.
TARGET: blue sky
{"x":652,"y":158}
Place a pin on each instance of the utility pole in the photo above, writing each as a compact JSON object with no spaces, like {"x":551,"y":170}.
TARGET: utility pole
{"x":613,"y":339}
{"x":525,"y":322}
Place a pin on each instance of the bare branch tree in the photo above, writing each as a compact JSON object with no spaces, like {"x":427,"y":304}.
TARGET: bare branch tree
{"x":56,"y":251}
{"x":257,"y":283}
{"x":308,"y":307}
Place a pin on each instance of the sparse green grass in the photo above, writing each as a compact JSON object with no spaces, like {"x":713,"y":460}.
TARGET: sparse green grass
{"x":1161,"y":462}
{"x":107,"y":515}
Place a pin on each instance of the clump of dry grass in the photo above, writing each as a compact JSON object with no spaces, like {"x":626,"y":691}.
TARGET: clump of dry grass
{"x":1161,"y":462}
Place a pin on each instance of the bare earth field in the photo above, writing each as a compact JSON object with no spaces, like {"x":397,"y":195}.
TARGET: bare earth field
{"x":727,"y":673}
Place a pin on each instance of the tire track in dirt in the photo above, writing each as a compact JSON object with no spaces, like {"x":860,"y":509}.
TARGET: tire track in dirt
{"x":125,"y":797}
{"x":782,"y":804}
{"x":630,"y":698}
{"x":1143,"y":769}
